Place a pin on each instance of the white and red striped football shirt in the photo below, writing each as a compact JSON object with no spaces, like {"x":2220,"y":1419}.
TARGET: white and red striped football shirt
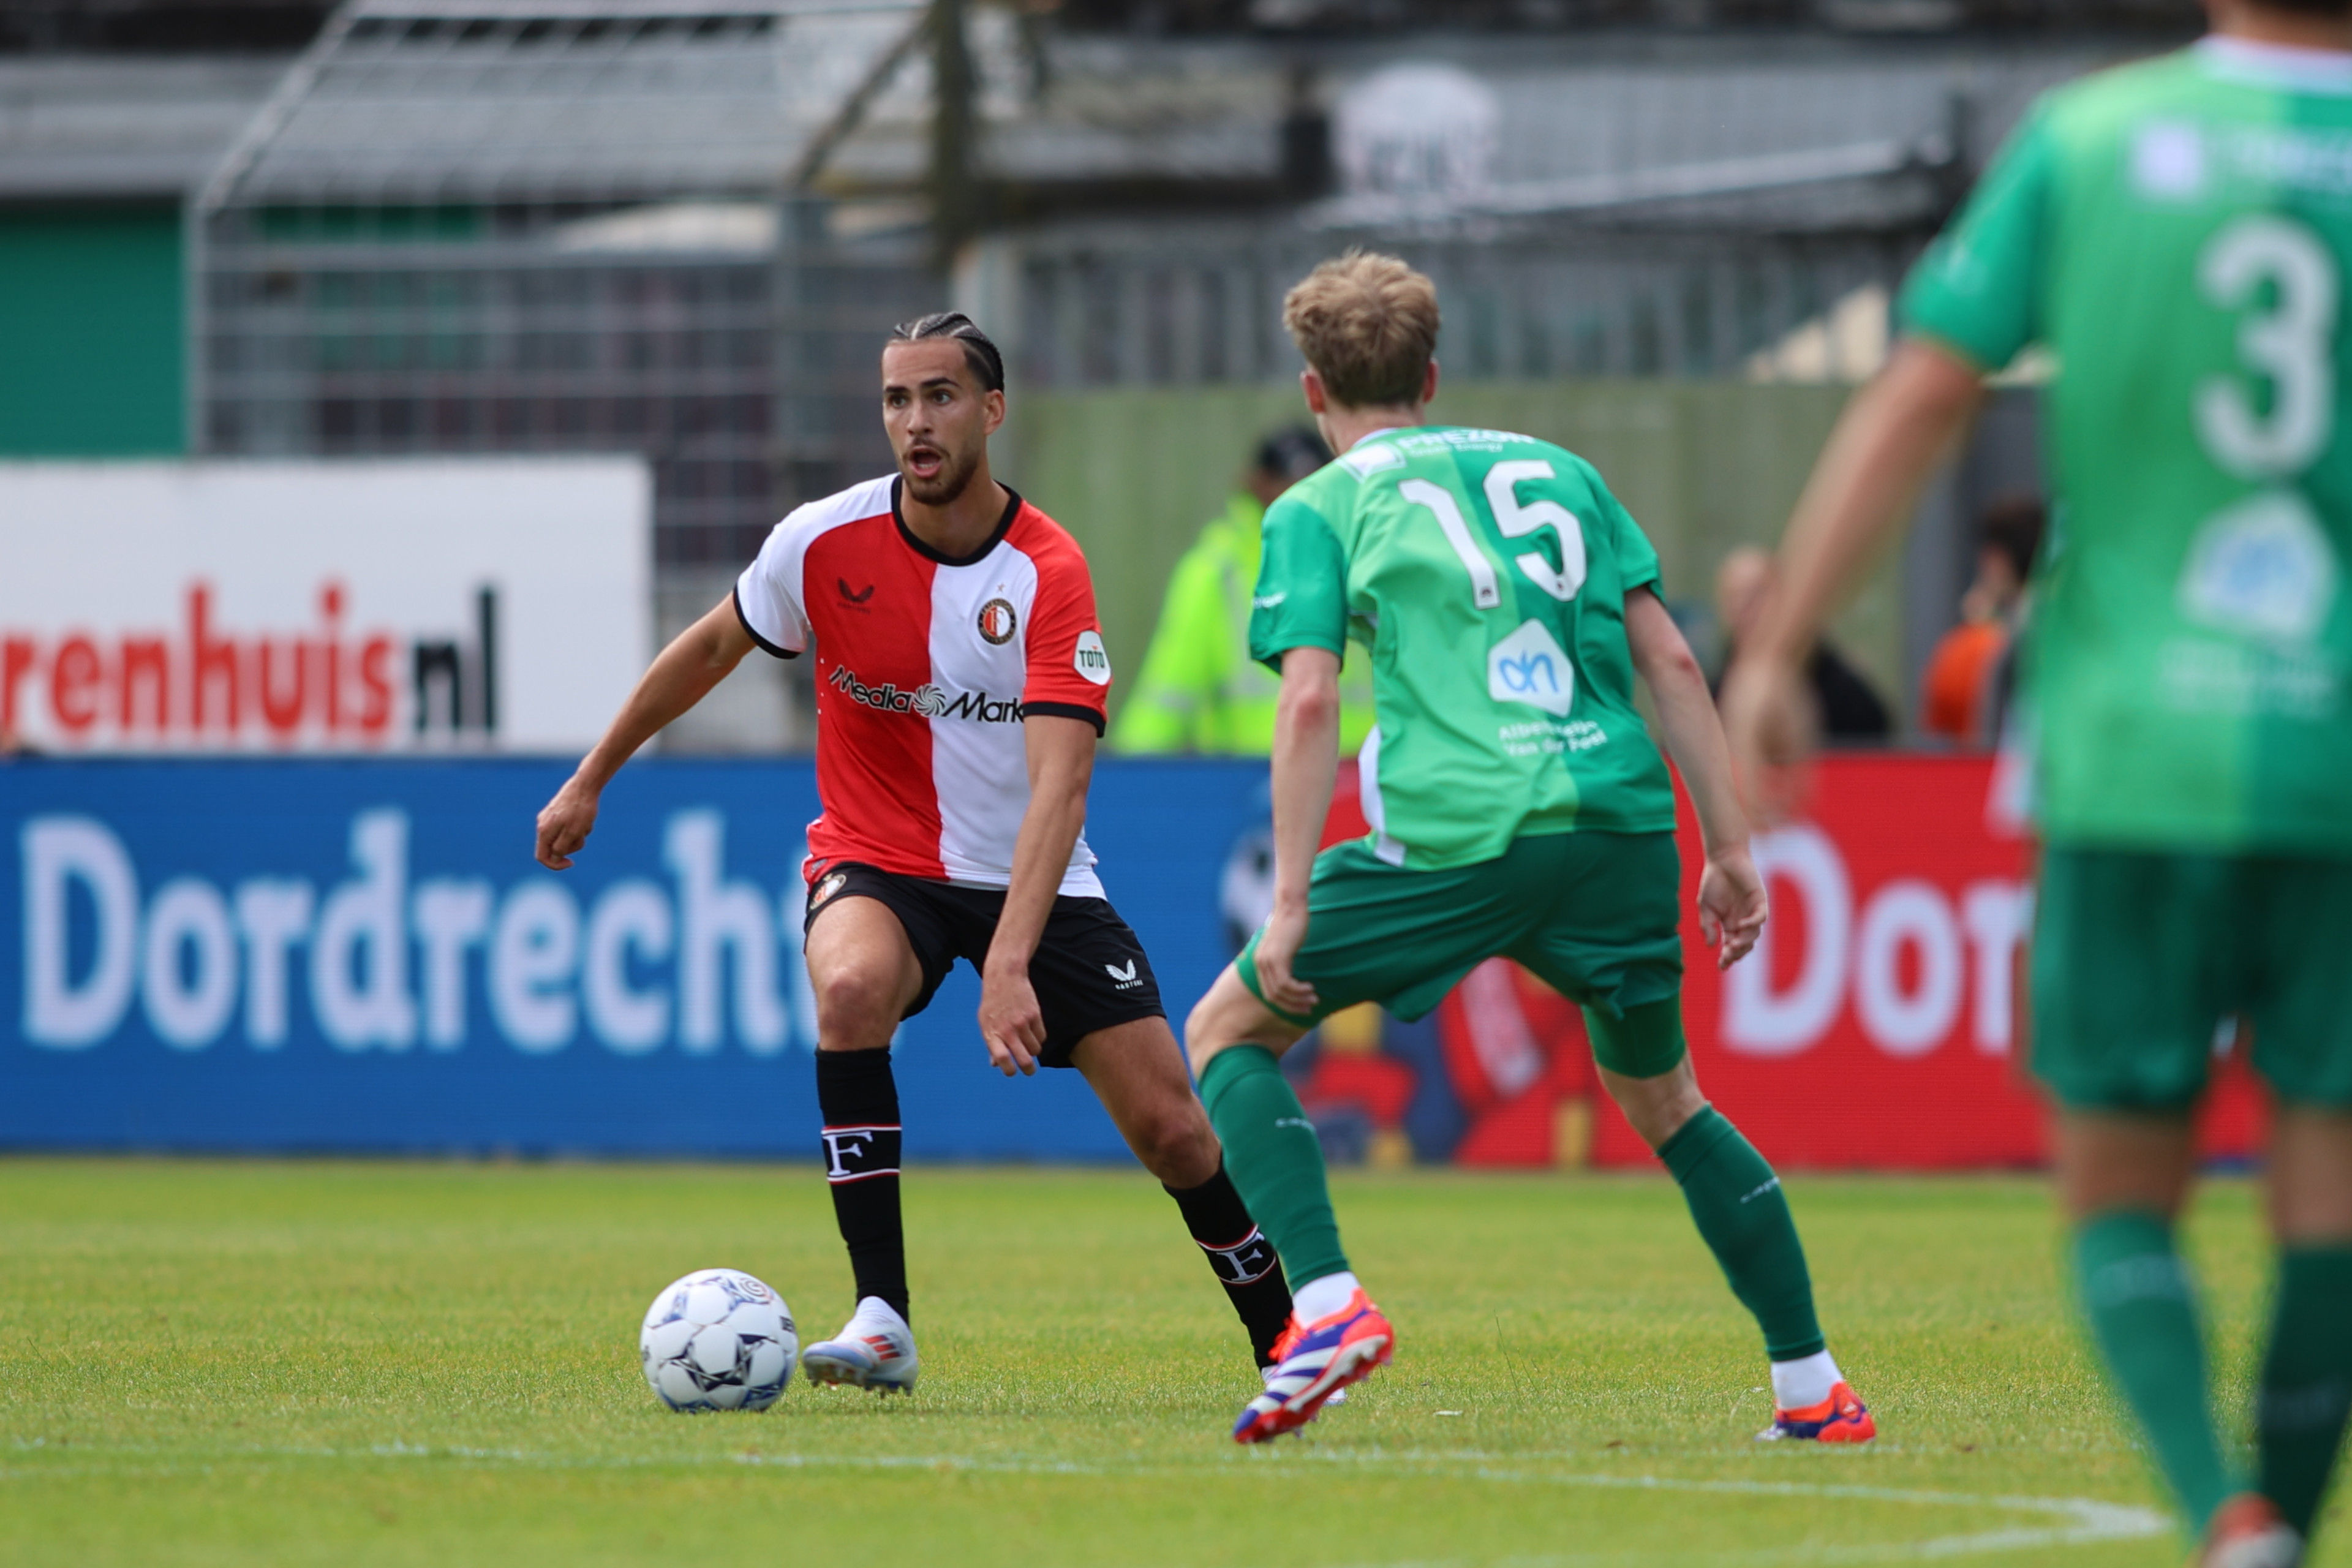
{"x":924,"y":668}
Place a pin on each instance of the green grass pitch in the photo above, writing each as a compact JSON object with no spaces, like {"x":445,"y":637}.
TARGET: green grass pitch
{"x":435,"y":1364}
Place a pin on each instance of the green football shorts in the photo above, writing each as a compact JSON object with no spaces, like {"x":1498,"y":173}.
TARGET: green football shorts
{"x":1592,"y":914}
{"x":2139,"y":955}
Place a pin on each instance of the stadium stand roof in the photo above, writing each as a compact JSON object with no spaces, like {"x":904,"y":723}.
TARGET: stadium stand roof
{"x":489,"y":101}
{"x":103,"y":127}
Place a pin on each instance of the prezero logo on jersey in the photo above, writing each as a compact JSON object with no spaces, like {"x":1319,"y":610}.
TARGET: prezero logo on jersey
{"x":320,"y":606}
{"x":928,"y":700}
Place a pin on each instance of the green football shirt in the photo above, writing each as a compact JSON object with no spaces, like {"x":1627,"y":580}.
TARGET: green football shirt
{"x":1486,"y":573}
{"x":2175,"y":235}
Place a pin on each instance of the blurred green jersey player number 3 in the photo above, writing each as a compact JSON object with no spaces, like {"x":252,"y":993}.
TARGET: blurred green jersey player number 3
{"x":1486,"y":573}
{"x":2207,"y":483}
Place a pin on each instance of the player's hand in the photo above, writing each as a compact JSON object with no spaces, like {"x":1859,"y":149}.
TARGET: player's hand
{"x":1011,"y":1022}
{"x":1278,"y":949}
{"x":1771,"y":725}
{"x":565,"y":823}
{"x":1732,"y":907}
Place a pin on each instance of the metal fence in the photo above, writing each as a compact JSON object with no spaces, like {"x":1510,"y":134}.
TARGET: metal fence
{"x":744,"y":374}
{"x":525,"y":225}
{"x":1145,"y":305}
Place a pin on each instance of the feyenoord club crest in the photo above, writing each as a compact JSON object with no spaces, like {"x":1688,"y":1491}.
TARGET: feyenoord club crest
{"x":825,"y":889}
{"x":997,"y":621}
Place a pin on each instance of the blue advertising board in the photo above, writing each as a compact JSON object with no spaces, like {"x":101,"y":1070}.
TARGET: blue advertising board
{"x":353,"y":956}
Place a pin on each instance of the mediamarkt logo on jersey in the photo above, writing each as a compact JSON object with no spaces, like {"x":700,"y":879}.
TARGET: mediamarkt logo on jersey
{"x":928,"y":700}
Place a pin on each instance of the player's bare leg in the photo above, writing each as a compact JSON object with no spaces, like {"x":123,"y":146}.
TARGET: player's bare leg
{"x":1137,"y":1070}
{"x":863,"y":975}
{"x":1742,"y":1215}
{"x":1138,"y":1073}
{"x":1660,"y":1107}
{"x":1336,"y":1335}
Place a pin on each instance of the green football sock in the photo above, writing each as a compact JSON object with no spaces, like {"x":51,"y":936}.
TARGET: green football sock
{"x":2307,"y":1387}
{"x":1745,"y":1220}
{"x":2142,"y":1304}
{"x":1272,"y":1154}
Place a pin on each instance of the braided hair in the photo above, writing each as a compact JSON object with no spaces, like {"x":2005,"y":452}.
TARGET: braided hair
{"x":987,"y":364}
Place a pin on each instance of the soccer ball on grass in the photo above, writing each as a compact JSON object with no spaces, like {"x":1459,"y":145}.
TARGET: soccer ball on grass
{"x":718,"y":1340}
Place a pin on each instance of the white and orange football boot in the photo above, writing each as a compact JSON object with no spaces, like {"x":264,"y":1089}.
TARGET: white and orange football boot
{"x":874,"y":1350}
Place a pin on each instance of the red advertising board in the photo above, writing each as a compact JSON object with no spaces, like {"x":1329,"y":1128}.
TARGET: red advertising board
{"x":1876,"y":1027}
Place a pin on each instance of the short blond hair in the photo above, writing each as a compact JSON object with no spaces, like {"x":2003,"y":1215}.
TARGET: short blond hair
{"x":1368,"y":323}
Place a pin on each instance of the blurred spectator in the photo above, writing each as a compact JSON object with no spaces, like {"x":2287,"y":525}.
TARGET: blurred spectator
{"x":1199,"y":690}
{"x":1849,"y":710}
{"x":1966,"y":686}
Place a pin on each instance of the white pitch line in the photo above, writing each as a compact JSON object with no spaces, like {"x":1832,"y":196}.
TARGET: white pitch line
{"x":2090,"y":1522}
{"x":2087,"y":1521}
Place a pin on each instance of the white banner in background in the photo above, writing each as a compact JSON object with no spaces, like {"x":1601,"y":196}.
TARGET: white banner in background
{"x":501,"y":604}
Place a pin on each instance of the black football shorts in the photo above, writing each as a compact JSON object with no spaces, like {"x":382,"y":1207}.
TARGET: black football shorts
{"x":1089,"y":971}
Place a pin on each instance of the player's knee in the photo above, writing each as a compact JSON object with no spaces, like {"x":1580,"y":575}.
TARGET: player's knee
{"x":853,"y":999}
{"x":1657,"y":1107}
{"x":1177,"y":1145}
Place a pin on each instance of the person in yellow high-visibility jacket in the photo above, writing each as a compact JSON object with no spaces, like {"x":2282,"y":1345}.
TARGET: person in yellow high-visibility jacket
{"x":1200,"y":691}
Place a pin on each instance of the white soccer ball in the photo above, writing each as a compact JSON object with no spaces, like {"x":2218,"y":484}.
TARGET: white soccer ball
{"x":718,"y":1340}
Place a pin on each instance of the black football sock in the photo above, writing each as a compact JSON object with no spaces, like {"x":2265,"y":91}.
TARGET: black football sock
{"x":859,"y":1100}
{"x":1242,"y":1260}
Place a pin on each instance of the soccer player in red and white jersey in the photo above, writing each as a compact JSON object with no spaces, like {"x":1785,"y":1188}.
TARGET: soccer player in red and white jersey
{"x":959,"y":678}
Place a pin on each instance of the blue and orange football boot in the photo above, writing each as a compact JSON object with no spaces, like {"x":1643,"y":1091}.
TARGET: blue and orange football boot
{"x":1840,"y":1419}
{"x":1312,"y":1362}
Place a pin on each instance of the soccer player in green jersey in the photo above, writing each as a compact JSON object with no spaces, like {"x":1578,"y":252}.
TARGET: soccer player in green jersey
{"x":2176,"y":234}
{"x":1518,"y":807}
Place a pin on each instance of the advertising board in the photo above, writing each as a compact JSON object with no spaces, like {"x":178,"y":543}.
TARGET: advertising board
{"x":492,"y":604}
{"x":361,"y":955}
{"x":1876,"y":1027}
{"x":364,"y":956}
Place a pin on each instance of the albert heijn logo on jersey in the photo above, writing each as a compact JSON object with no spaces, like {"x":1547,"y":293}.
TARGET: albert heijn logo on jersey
{"x":1529,"y":665}
{"x":998,"y":621}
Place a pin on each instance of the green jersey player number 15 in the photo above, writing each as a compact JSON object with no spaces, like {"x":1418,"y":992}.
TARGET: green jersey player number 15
{"x":1485,"y":574}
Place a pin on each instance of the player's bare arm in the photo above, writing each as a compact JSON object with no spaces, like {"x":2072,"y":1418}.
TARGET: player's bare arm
{"x":697,"y":660}
{"x":1306,"y":765}
{"x":1888,"y":442}
{"x":1061,"y":765}
{"x":1731,"y":902}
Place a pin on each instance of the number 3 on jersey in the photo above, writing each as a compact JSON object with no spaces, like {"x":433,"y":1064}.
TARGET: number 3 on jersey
{"x":2288,"y":341}
{"x":1516,"y":520}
